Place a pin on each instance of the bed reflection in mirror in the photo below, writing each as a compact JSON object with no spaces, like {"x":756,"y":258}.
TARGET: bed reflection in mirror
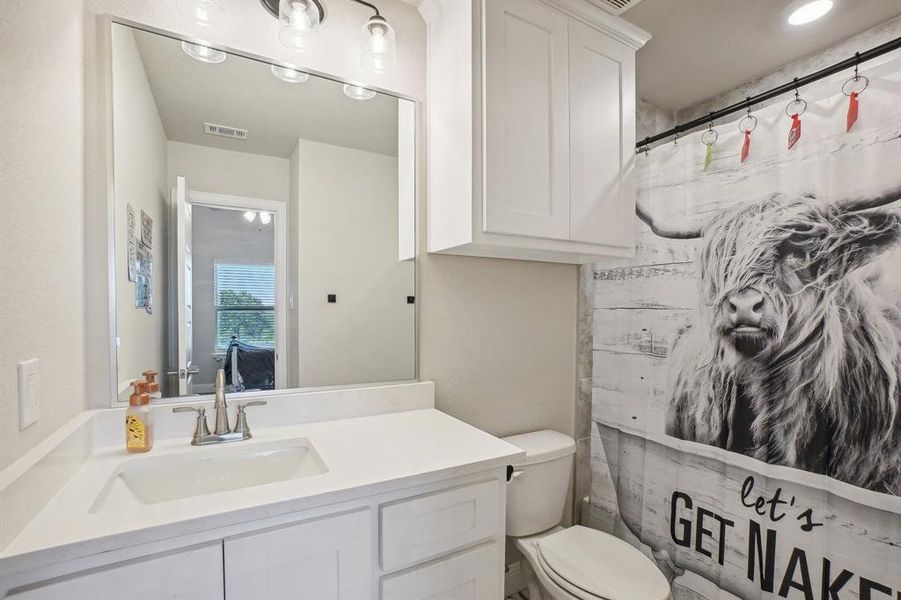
{"x":263,"y":223}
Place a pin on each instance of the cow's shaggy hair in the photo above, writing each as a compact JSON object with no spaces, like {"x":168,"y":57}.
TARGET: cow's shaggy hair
{"x":820,"y":381}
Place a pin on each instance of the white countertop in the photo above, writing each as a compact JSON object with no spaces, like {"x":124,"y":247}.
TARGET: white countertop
{"x":364,"y":456}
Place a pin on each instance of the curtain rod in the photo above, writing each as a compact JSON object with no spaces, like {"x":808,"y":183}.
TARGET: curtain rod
{"x":791,"y":86}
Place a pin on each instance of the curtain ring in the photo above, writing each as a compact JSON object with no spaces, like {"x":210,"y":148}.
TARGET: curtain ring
{"x":797,"y":106}
{"x":708,"y":138}
{"x":747,"y":123}
{"x":855,"y":82}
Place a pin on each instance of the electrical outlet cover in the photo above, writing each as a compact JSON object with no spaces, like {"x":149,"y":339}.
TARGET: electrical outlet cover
{"x":29,"y":404}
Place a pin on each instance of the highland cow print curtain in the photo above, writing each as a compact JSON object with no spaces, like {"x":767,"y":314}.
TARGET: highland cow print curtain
{"x":747,"y":363}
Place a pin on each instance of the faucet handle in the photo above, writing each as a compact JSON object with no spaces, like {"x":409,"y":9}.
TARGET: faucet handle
{"x":241,"y":405}
{"x":241,"y":418}
{"x":201,"y":429}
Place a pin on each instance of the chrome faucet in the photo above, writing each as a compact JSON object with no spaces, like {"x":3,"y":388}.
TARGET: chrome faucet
{"x":222,"y":432}
{"x":221,"y":407}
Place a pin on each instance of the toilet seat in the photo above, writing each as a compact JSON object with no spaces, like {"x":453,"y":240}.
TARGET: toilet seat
{"x":576,"y":592}
{"x":593,"y":565}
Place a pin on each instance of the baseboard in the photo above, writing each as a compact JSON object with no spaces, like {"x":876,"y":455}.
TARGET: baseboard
{"x":513,"y":579}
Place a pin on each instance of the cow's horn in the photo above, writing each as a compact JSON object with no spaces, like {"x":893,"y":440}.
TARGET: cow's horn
{"x":871,"y":201}
{"x":666,"y":232}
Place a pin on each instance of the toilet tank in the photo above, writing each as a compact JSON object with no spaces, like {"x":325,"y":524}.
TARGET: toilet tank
{"x":536,"y":496}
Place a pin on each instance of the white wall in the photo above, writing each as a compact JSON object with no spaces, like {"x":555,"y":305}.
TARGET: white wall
{"x":208,"y":169}
{"x":41,"y":222}
{"x":348,"y":220}
{"x":140,"y":168}
{"x":220,"y":235}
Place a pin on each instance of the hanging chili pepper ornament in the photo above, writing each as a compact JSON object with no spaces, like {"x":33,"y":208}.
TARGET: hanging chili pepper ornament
{"x":853,"y":88}
{"x":708,"y":138}
{"x":746,"y":126}
{"x":794,"y":110}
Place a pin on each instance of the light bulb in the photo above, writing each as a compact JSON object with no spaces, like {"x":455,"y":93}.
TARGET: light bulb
{"x":203,"y":53}
{"x":298,"y":25}
{"x":379,"y":45}
{"x":358,"y":93}
{"x":265,"y":218}
{"x":249,"y":216}
{"x":810,"y":12}
{"x":288,"y":74}
{"x":202,"y":12}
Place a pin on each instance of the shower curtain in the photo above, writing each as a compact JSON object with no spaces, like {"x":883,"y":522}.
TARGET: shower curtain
{"x":746,"y":407}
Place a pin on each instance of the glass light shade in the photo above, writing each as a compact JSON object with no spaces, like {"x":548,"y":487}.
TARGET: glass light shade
{"x":202,"y":12}
{"x":249,"y":216}
{"x":288,"y":74}
{"x":379,"y":46}
{"x":298,"y":25}
{"x":358,"y":93}
{"x":203,"y":53}
{"x":265,"y":218}
{"x":810,"y":12}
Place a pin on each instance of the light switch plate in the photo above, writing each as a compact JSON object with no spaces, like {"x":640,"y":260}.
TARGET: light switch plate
{"x":29,"y":402}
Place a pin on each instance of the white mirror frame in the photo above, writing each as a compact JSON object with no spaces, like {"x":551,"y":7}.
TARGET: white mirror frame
{"x":114,"y":402}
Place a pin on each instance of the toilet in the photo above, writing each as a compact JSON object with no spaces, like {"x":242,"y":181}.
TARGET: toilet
{"x":573,"y":563}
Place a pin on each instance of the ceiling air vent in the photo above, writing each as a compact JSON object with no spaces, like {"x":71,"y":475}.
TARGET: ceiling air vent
{"x":225,"y":131}
{"x":616,"y":7}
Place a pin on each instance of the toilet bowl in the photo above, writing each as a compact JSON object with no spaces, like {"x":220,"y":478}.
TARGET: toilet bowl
{"x":574,"y":563}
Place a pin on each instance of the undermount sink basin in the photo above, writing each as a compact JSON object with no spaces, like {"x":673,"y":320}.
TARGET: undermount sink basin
{"x":208,"y":470}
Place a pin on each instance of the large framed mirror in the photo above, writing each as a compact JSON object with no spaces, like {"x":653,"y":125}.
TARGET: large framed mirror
{"x":263,"y":222}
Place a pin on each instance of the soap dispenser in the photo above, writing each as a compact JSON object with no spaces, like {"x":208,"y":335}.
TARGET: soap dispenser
{"x":138,"y":425}
{"x":153,"y":387}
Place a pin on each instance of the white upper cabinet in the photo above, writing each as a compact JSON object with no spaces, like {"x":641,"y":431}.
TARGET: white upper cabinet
{"x":531,"y":136}
{"x":526,"y":125}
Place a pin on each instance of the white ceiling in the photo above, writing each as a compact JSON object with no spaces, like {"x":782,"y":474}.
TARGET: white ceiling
{"x":702,"y":48}
{"x":243,"y":93}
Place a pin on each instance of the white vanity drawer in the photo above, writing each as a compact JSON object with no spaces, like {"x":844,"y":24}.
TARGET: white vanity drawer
{"x":421,"y":528}
{"x":472,"y":575}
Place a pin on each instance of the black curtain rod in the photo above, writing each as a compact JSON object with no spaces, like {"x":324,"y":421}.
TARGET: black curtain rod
{"x":791,"y":86}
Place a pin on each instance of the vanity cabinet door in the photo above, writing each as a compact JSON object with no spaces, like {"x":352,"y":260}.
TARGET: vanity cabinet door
{"x":323,"y":559}
{"x":187,"y":575}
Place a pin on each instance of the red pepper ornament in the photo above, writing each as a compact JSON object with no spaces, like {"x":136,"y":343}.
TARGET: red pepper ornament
{"x":794,"y":134}
{"x":852,"y":110}
{"x":746,"y":146}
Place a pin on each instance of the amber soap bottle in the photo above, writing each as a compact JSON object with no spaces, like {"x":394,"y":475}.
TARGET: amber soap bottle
{"x":138,"y":425}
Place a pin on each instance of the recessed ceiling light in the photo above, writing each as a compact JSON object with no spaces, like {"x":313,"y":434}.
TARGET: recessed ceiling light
{"x":358,"y":93}
{"x":289,"y":75}
{"x":203,"y":53}
{"x":810,"y":12}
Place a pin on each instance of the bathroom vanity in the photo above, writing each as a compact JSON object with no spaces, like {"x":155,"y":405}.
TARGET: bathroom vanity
{"x":366,"y":493}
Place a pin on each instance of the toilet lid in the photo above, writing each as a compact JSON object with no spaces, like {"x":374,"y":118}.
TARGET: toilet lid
{"x":603,"y":565}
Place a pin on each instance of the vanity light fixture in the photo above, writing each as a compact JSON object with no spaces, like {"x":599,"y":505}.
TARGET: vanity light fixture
{"x":379,"y":43}
{"x":809,"y":11}
{"x":202,"y":12}
{"x":203,"y":53}
{"x":298,"y":29}
{"x":288,"y":74}
{"x":250,"y":216}
{"x":265,"y":218}
{"x":357,"y":92}
{"x":298,"y":22}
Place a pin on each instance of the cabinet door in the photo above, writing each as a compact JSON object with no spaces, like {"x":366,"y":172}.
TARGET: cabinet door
{"x":325,"y":559}
{"x":526,"y":120}
{"x":188,"y":575}
{"x":472,"y":575}
{"x":602,"y":138}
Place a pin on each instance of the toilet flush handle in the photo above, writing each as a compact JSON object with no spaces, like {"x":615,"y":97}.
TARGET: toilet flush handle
{"x":512,"y":473}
